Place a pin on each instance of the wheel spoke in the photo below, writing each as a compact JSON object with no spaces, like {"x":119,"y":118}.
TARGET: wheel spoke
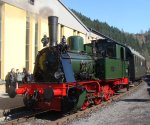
{"x":106,"y":92}
{"x":85,"y":105}
{"x":97,"y":101}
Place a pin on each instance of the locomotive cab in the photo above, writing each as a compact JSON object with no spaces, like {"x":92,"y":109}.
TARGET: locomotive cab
{"x":112,"y":62}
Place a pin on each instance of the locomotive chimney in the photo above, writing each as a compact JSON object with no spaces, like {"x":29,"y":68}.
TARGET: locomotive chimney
{"x":53,"y":27}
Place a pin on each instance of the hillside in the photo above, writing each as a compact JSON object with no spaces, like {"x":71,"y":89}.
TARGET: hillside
{"x":139,"y":42}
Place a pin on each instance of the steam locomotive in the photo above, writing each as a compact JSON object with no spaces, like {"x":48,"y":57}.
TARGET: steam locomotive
{"x":75,"y":76}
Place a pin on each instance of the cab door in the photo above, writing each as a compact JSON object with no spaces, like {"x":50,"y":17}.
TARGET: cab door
{"x":122,"y":59}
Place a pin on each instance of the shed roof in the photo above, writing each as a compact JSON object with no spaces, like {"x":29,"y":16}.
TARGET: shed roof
{"x":45,"y":8}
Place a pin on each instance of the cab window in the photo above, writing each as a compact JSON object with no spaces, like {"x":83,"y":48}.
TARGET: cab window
{"x":111,"y":51}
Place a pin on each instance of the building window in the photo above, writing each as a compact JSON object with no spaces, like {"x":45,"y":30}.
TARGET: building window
{"x":0,"y":35}
{"x":74,"y":32}
{"x":36,"y":39}
{"x":0,"y":20}
{"x":78,"y":33}
{"x":61,"y":31}
{"x":31,"y":2}
{"x":27,"y":41}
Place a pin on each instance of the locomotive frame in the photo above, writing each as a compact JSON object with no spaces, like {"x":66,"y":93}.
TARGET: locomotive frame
{"x":75,"y":76}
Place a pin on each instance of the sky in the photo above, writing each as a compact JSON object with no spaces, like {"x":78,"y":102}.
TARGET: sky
{"x":131,"y":16}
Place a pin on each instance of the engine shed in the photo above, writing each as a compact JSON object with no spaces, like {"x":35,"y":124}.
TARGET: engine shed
{"x":24,"y":23}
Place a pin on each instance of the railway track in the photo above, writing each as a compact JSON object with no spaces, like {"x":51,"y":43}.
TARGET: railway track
{"x":19,"y":115}
{"x":6,"y":112}
{"x":65,"y":119}
{"x":81,"y":114}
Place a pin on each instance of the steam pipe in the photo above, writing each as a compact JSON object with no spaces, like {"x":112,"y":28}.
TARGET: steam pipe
{"x":53,"y":27}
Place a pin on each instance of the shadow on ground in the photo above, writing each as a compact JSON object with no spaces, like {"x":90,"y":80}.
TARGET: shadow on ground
{"x":5,"y":94}
{"x":52,"y":116}
{"x":136,"y":100}
{"x":148,"y":90}
{"x":147,"y":81}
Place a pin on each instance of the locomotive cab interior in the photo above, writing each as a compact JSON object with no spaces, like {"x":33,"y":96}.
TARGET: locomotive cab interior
{"x":105,"y":48}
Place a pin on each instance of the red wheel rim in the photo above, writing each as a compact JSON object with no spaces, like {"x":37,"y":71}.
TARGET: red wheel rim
{"x":107,"y":96}
{"x":97,"y":101}
{"x":85,"y":105}
{"x":112,"y":92}
{"x":106,"y":93}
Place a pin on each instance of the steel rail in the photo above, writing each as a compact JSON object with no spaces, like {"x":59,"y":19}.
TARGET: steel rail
{"x":23,"y":118}
{"x":81,"y":114}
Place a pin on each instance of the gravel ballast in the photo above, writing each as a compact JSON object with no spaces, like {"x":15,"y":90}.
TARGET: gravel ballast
{"x":130,"y":110}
